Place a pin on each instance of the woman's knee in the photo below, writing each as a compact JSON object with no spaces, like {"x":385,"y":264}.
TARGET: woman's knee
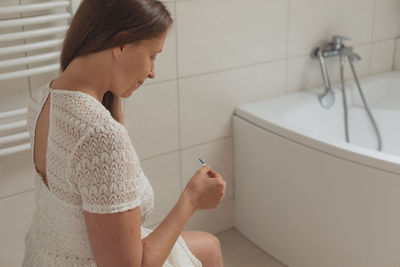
{"x":205,"y":246}
{"x":211,"y":242}
{"x":214,"y":251}
{"x":215,"y":241}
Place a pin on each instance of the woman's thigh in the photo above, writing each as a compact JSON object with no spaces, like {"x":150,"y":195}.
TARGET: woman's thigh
{"x":205,"y":246}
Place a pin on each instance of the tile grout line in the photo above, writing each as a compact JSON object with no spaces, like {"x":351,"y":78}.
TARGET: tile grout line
{"x":178,"y":90}
{"x":17,"y":194}
{"x":234,"y":68}
{"x":287,"y":48}
{"x":384,"y":40}
{"x":372,"y":38}
{"x":150,"y":83}
{"x":184,"y":148}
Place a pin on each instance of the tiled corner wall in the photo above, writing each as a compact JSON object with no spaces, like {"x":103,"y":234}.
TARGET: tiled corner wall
{"x":220,"y":53}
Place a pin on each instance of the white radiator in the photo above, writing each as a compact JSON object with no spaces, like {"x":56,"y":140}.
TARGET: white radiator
{"x":12,"y":128}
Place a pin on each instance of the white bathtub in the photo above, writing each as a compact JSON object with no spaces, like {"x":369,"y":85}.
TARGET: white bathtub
{"x":306,"y":196}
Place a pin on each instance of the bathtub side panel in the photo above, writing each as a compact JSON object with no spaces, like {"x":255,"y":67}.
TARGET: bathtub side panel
{"x":308,"y":208}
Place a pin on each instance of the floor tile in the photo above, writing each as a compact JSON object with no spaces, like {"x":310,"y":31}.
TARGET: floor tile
{"x":238,"y":251}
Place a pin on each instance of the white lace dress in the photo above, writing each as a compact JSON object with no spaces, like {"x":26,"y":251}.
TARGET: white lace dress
{"x":91,"y":165}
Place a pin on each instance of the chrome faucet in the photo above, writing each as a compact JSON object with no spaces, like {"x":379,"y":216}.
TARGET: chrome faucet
{"x":331,"y":49}
{"x":327,"y":98}
{"x":347,"y":51}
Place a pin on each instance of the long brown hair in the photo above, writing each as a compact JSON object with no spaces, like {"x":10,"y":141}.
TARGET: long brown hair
{"x":97,"y":25}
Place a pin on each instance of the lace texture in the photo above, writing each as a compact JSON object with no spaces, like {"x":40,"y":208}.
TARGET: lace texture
{"x":92,"y":166}
{"x":107,"y":173}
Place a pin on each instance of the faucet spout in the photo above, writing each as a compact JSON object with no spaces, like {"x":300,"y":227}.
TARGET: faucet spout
{"x":348,"y":52}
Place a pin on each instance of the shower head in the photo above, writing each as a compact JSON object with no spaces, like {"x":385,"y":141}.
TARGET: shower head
{"x":327,"y":99}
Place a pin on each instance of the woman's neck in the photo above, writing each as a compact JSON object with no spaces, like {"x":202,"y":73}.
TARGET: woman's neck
{"x":86,"y":74}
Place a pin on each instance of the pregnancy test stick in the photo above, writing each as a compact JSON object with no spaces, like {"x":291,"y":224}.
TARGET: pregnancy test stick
{"x":202,"y":162}
{"x":210,"y":173}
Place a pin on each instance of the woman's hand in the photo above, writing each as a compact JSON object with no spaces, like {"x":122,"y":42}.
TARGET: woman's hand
{"x":206,"y":189}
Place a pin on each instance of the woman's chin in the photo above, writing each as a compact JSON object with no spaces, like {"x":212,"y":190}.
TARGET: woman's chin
{"x":129,"y":93}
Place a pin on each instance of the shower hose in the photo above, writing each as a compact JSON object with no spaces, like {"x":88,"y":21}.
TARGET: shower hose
{"x":346,"y":124}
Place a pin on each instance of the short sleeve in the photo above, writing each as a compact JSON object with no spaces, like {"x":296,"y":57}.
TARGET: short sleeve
{"x":106,"y":171}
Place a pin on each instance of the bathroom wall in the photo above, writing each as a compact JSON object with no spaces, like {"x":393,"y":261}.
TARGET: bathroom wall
{"x":397,"y":55}
{"x":220,"y":53}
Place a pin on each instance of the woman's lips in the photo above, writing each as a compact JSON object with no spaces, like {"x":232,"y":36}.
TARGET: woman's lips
{"x":140,"y":83}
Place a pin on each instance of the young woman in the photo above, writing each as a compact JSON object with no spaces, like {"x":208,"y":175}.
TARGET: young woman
{"x":91,"y":193}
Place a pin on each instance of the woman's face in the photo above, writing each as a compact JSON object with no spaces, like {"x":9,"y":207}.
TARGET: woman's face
{"x":133,"y":64}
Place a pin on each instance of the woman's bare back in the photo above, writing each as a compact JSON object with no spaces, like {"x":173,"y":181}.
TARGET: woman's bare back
{"x":41,"y":135}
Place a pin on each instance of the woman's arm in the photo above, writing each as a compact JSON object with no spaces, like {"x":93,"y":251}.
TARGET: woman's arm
{"x":115,"y":239}
{"x":159,"y":243}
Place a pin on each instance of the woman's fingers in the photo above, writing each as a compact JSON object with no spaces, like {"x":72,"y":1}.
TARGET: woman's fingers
{"x":210,"y":172}
{"x":206,"y":193}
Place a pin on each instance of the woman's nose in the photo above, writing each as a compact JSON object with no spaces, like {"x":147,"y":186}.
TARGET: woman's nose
{"x":152,"y":74}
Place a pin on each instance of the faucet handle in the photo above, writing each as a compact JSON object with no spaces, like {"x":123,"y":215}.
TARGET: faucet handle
{"x":337,"y":41}
{"x":340,"y":37}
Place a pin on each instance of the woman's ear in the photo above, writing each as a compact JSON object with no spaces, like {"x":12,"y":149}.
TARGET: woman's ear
{"x":120,"y":38}
{"x":117,"y":51}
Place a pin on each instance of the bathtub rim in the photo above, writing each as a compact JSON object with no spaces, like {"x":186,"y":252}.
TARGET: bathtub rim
{"x":356,"y":154}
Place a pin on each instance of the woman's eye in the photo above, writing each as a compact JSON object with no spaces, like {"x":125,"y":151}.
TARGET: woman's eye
{"x":153,"y":58}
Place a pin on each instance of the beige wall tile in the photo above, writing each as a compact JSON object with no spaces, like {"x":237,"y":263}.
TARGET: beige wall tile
{"x":387,"y":19}
{"x":151,"y":118}
{"x":16,"y":173}
{"x":218,"y":155}
{"x":166,"y":66}
{"x":382,"y":56}
{"x":15,"y":219}
{"x":164,"y":176}
{"x":313,"y":22}
{"x":207,"y":102}
{"x":215,"y":35}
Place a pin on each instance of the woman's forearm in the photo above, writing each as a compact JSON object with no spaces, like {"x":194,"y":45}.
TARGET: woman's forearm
{"x":158,"y":244}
